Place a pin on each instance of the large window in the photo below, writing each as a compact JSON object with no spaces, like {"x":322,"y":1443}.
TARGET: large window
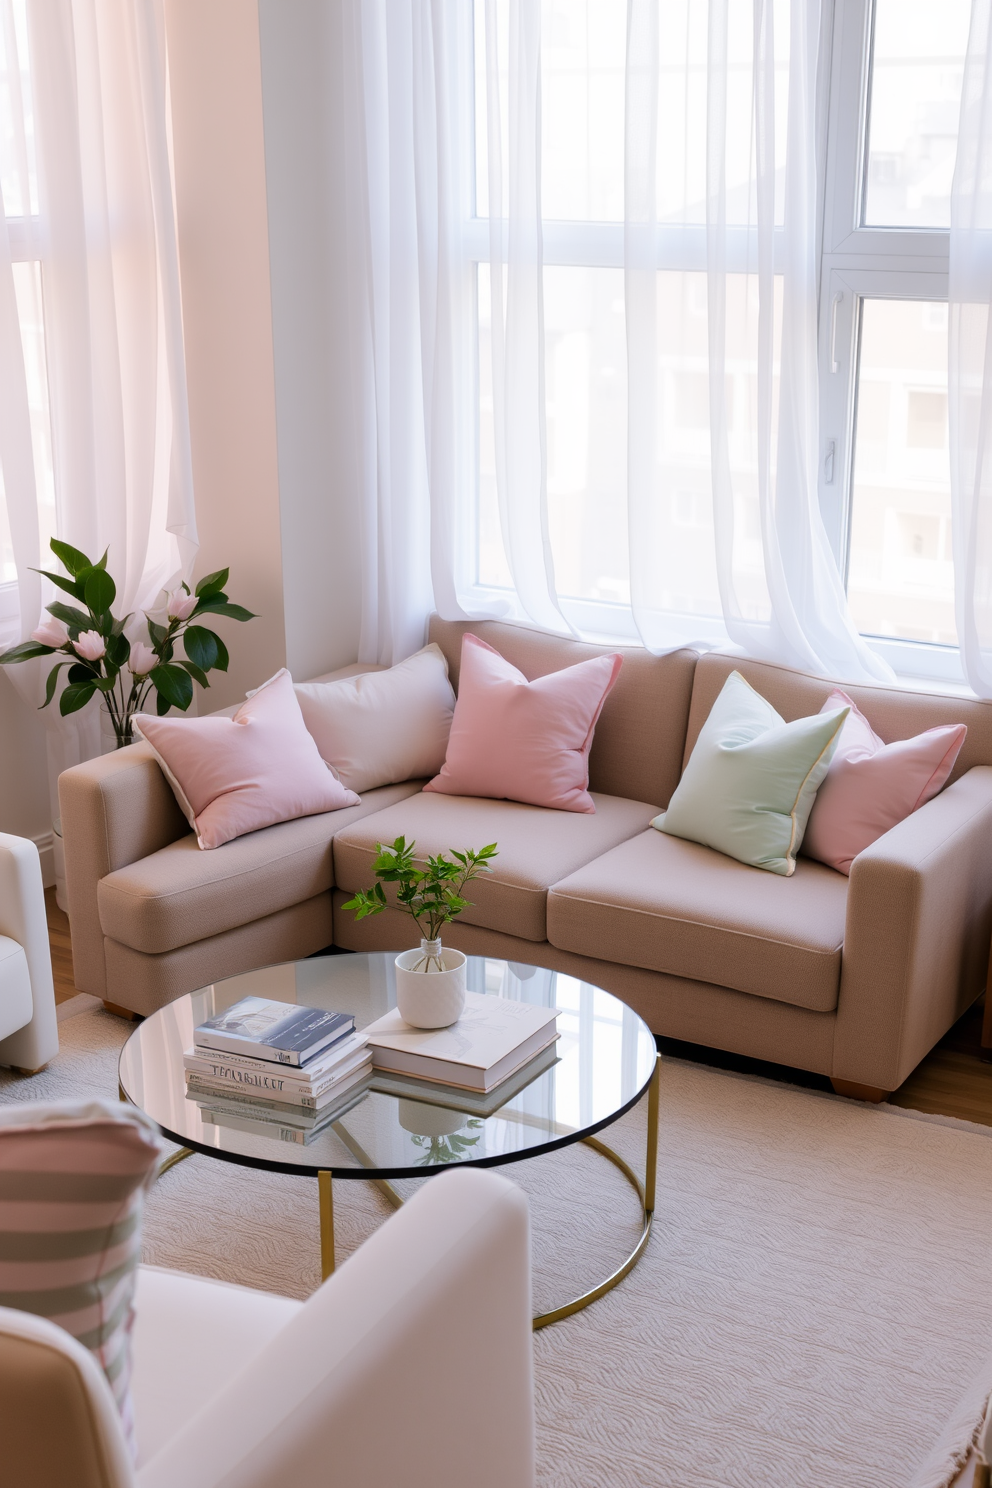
{"x":892,"y":74}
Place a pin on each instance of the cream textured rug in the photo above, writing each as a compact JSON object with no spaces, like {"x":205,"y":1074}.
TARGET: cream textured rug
{"x":815,"y":1298}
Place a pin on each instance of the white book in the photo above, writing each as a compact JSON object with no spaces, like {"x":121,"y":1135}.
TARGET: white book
{"x":271,"y":1089}
{"x":210,"y":1061}
{"x":279,"y":1126}
{"x":493,"y":1037}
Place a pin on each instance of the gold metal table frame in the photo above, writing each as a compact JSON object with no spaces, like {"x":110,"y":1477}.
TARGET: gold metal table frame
{"x":645,"y":1192}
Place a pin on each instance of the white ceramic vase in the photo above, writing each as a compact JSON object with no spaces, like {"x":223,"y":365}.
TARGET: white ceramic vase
{"x":429,"y":997}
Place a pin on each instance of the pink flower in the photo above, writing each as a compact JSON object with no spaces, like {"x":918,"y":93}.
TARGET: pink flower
{"x":142,"y":659}
{"x":181,"y":605}
{"x":91,"y":645}
{"x":51,"y":632}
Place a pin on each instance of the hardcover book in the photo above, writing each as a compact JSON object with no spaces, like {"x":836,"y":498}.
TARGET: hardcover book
{"x":493,"y":1037}
{"x":280,"y":1032}
{"x":455,"y":1098}
{"x":278,"y":1081}
{"x":274,"y":1093}
{"x":279,"y":1126}
{"x":328,"y":1062}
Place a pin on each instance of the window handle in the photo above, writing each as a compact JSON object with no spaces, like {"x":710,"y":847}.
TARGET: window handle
{"x":834,"y":363}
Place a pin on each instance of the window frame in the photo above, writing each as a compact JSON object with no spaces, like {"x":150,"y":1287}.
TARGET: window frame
{"x":858,"y":263}
{"x":855,"y":262}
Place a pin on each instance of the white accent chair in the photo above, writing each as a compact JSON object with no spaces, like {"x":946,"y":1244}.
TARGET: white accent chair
{"x":28,"y":1028}
{"x":411,"y":1365}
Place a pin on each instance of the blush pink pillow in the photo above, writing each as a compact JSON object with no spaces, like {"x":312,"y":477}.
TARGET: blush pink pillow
{"x":524,"y":741}
{"x":871,"y":786}
{"x":235,"y":775}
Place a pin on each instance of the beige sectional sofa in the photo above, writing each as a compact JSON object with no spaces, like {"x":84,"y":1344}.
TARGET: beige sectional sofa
{"x":853,"y":978}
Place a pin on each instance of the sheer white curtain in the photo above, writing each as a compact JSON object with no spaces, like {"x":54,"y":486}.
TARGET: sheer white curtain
{"x":86,"y":177}
{"x":720,"y":151}
{"x":970,"y":357}
{"x":404,"y":100}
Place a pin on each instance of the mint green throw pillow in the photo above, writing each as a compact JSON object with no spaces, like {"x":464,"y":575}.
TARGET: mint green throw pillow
{"x":751,"y":780}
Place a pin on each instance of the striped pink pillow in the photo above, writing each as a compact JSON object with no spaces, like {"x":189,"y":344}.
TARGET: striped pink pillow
{"x":73,"y":1180}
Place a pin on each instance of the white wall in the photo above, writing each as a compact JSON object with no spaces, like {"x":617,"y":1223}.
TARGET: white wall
{"x":215,"y":81}
{"x":320,"y":512}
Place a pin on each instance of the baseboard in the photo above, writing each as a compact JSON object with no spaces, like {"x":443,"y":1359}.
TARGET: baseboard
{"x":44,"y":842}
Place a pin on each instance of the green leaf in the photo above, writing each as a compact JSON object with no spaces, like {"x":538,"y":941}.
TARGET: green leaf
{"x":75,"y":619}
{"x":72,"y":559}
{"x":224,"y":607}
{"x":70,"y":587}
{"x":105,"y":684}
{"x":172,"y":683}
{"x":223,"y":659}
{"x":102,"y":563}
{"x":118,"y":651}
{"x":76,"y":697}
{"x":195,"y":672}
{"x":99,"y":590}
{"x":162,"y":704}
{"x":201,"y":646}
{"x":212,"y":584}
{"x":53,"y":678}
{"x":25,"y":651}
{"x":157,"y":632}
{"x":81,"y":671}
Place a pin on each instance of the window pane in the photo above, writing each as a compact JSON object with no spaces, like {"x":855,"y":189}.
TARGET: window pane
{"x":18,"y":174}
{"x":917,"y":64}
{"x":583,"y":46}
{"x":901,"y":573}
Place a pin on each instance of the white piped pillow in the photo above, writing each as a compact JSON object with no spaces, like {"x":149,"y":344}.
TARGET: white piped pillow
{"x":380,"y":728}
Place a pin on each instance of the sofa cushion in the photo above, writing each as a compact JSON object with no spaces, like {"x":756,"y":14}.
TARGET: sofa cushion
{"x":180,"y":895}
{"x":537,"y":847}
{"x":673,"y":906}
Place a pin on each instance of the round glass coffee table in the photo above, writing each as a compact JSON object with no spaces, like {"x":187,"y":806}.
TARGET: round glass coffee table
{"x":392,"y":1126}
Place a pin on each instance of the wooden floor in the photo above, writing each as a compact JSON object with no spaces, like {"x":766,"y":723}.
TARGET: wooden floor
{"x":951,"y":1081}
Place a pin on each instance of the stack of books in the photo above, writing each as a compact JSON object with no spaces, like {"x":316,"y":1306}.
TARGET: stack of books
{"x":273,"y":1060}
{"x":494,"y":1050}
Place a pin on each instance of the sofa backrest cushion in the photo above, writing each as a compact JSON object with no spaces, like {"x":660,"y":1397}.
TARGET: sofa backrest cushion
{"x":893,"y":712}
{"x":637,"y":747}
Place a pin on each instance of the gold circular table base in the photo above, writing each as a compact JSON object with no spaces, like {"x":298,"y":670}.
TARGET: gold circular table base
{"x":578,"y":1303}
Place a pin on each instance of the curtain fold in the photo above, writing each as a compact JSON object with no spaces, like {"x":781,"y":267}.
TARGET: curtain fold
{"x":765,"y":579}
{"x":120,"y":456}
{"x":970,"y":357}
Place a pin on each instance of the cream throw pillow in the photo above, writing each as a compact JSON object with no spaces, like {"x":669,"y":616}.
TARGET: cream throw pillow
{"x":383,"y":727}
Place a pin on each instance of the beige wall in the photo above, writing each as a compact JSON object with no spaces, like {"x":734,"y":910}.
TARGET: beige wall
{"x":24,"y":804}
{"x":215,"y":79}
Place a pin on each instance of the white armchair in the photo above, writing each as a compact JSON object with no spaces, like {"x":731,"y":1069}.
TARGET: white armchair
{"x":28,"y":1029}
{"x":411,"y":1365}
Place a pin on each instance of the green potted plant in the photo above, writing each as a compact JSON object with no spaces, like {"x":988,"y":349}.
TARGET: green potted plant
{"x":101,"y":658}
{"x":430,"y":982}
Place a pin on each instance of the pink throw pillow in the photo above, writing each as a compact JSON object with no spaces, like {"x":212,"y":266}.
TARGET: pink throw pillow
{"x":871,"y":786}
{"x":235,"y":775}
{"x":524,"y":741}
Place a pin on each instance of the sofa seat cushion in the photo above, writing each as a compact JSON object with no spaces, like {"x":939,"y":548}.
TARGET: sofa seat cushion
{"x":537,"y":846}
{"x":180,"y":895}
{"x":668,"y":905}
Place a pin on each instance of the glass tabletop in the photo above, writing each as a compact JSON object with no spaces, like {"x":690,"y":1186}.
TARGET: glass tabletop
{"x":391,"y":1126}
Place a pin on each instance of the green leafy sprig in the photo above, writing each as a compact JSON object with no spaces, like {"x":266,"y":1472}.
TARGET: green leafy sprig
{"x":432,"y":896}
{"x":100,"y":657}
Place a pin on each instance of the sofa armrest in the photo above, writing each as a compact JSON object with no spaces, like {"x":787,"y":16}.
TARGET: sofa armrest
{"x":916,"y":942}
{"x":115,"y":809}
{"x":431,"y":1314}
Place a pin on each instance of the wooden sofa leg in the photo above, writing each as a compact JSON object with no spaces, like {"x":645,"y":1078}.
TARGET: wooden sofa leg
{"x":987,"y":1026}
{"x":120,"y":1012}
{"x":854,"y":1091}
{"x":19,"y":1070}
